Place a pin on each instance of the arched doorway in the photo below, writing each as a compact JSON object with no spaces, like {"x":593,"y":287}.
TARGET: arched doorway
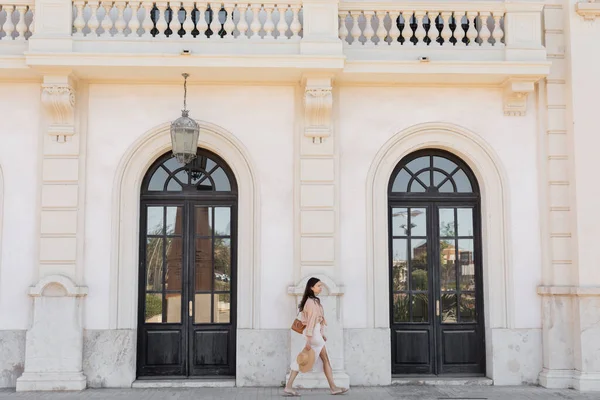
{"x":436,"y":286}
{"x":187,"y":271}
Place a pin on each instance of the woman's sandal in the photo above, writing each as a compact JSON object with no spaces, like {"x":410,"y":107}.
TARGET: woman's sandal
{"x":339,"y":391}
{"x":290,"y":393}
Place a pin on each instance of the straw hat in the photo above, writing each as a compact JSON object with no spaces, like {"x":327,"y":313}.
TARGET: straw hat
{"x":305,"y":360}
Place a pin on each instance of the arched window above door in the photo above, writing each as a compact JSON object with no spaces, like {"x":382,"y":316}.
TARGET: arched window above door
{"x":433,"y":172}
{"x":206,"y":173}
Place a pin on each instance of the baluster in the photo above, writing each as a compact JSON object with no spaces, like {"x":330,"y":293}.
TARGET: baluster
{"x":120,"y":23}
{"x":107,"y":21}
{"x":229,"y":24}
{"x":21,"y":26}
{"x":161,"y":24}
{"x":343,"y":31}
{"x":255,"y":25}
{"x":433,"y":31}
{"x":295,"y":26}
{"x":484,"y":31}
{"x":242,"y":25}
{"x":269,"y":26}
{"x":381,"y":31}
{"x":407,"y":32}
{"x":446,"y":31}
{"x":79,"y":22}
{"x":472,"y":31}
{"x":134,"y":22}
{"x":215,"y":23}
{"x":355,"y":31}
{"x":459,"y":32}
{"x":282,"y":25}
{"x":202,"y":25}
{"x":394,"y":31}
{"x":498,"y":33}
{"x":420,"y":33}
{"x":93,"y":22}
{"x":8,"y":26}
{"x":32,"y":24}
{"x":369,"y":33}
{"x":147,"y":23}
{"x":188,"y":22}
{"x":175,"y":24}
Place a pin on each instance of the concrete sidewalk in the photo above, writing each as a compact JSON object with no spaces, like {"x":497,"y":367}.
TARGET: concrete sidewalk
{"x":357,"y":393}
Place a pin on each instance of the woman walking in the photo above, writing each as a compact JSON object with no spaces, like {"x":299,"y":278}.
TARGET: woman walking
{"x":313,"y":318}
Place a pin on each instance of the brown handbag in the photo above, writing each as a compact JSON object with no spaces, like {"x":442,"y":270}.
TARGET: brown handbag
{"x":298,"y":326}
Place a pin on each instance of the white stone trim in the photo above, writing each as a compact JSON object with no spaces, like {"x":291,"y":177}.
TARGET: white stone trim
{"x":1,"y":218}
{"x":125,"y":222}
{"x":472,"y":149}
{"x":70,"y":289}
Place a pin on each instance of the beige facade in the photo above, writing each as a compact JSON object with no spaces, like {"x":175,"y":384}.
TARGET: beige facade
{"x":312,"y":105}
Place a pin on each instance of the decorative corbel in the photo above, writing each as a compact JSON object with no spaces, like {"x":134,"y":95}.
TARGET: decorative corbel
{"x":589,"y":10}
{"x":59,"y":100}
{"x":318,"y":102}
{"x":515,"y":97}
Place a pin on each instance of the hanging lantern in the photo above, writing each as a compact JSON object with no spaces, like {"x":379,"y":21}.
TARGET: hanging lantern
{"x":184,"y":132}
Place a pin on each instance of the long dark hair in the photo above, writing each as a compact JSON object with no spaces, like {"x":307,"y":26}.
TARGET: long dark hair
{"x":308,"y":293}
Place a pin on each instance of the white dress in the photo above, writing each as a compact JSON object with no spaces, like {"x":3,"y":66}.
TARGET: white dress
{"x":313,"y":317}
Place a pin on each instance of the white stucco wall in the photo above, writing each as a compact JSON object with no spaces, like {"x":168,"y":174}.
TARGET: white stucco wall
{"x":370,"y":116}
{"x":262,"y":118}
{"x":585,"y":78}
{"x":20,"y":162}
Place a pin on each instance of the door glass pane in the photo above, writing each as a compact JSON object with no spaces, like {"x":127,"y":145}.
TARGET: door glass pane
{"x":424,"y":177}
{"x":399,"y":264}
{"x":182,"y":176}
{"x":221,"y":180}
{"x":418,"y":222}
{"x":416,"y":187}
{"x":448,"y":308}
{"x":466,"y":255}
{"x":203,"y":265}
{"x":467,"y":307}
{"x":446,"y":222}
{"x":154,"y":264}
{"x":420,"y":307}
{"x":153,"y":308}
{"x":202,"y":308}
{"x":157,"y":182}
{"x":222,"y":264}
{"x":154,"y":221}
{"x":173,"y":307}
{"x":438,"y":178}
{"x":173,"y":186}
{"x":174,"y":220}
{"x":444,"y":164}
{"x":174,"y":251}
{"x":401,"y":181}
{"x":462,"y":182}
{"x":418,"y":264}
{"x":222,"y":221}
{"x":418,"y":164}
{"x":222,"y":308}
{"x":203,"y":223}
{"x":401,"y":307}
{"x":399,"y":221}
{"x":447,"y":265}
{"x":465,"y":221}
{"x":447,"y":187}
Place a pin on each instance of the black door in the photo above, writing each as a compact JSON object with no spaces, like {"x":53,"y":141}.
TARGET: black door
{"x":187,"y":275}
{"x":436,"y":302}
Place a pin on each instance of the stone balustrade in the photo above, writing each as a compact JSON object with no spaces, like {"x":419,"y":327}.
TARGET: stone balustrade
{"x":188,"y":19}
{"x":439,"y":24}
{"x":16,"y":21}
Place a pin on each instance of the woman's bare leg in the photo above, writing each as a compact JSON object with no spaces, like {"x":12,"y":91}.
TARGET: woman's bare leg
{"x":290,"y":382}
{"x":327,"y":369}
